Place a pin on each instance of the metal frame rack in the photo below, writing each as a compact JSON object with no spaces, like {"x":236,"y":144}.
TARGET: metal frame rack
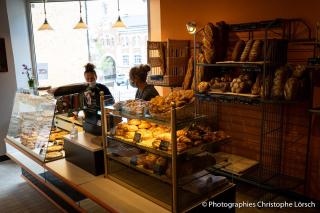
{"x":267,"y":174}
{"x":180,"y":199}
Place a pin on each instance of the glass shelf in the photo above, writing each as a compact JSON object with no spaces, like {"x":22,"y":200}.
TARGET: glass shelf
{"x":180,"y":123}
{"x":193,"y":150}
{"x":30,"y":124}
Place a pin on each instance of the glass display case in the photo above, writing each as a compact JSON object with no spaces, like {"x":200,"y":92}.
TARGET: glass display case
{"x":164,"y":160}
{"x":31,"y":127}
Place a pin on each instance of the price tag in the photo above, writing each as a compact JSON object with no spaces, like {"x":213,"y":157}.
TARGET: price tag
{"x":137,"y":137}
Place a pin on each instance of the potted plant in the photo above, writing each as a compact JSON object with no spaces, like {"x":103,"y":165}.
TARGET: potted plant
{"x":28,"y":72}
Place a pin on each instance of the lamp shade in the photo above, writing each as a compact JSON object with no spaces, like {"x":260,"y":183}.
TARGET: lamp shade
{"x":81,"y":25}
{"x":119,"y":24}
{"x":45,"y":26}
{"x":191,"y":27}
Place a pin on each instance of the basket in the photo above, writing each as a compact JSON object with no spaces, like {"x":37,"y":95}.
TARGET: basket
{"x":182,"y":113}
{"x":168,"y":61}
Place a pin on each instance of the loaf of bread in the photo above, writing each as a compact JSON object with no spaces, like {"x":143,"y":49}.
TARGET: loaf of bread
{"x":222,"y":44}
{"x":255,"y":90}
{"x":189,"y":75}
{"x":255,"y":52}
{"x":199,"y":71}
{"x":242,"y":84}
{"x":238,"y":48}
{"x":265,"y":87}
{"x":279,"y":82}
{"x":298,"y":71}
{"x":209,"y":55}
{"x":246,"y":51}
{"x":291,"y":89}
{"x":210,"y":31}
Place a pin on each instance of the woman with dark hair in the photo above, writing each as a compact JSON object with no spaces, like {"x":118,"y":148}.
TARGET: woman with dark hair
{"x":138,"y":77}
{"x":94,"y":88}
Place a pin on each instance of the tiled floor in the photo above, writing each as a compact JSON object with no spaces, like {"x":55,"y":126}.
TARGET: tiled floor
{"x":18,"y":196}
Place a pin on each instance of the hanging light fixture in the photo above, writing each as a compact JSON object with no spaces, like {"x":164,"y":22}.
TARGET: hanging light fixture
{"x":81,"y":24}
{"x":191,"y":27}
{"x":119,"y":23}
{"x":45,"y":25}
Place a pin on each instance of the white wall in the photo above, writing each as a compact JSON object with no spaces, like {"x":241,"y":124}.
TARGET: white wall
{"x":13,"y":27}
{"x":7,"y":79}
{"x":18,"y":25}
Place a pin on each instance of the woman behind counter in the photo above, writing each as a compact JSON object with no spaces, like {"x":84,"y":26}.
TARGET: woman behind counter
{"x":138,"y":77}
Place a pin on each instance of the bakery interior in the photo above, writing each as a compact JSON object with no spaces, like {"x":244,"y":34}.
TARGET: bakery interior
{"x":236,"y":127}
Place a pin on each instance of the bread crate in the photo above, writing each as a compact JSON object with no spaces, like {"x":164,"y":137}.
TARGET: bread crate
{"x":168,"y":61}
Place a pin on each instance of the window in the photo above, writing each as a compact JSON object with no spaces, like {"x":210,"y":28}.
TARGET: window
{"x":64,"y":51}
{"x":134,"y":42}
{"x":137,"y":59}
{"x":125,"y":60}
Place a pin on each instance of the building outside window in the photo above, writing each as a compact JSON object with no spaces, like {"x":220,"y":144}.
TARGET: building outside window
{"x":125,"y":60}
{"x":137,"y":59}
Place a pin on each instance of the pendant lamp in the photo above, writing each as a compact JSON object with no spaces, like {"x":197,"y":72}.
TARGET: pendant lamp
{"x":45,"y":25}
{"x":191,"y":27}
{"x":119,"y":23}
{"x":81,"y":24}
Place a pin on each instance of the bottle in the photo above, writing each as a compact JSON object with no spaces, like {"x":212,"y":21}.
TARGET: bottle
{"x":74,"y":132}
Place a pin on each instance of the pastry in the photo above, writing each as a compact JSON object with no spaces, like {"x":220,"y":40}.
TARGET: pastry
{"x":164,"y":137}
{"x":181,"y":132}
{"x":238,"y":48}
{"x":129,"y":135}
{"x":246,"y":51}
{"x":156,"y":144}
{"x":255,"y":90}
{"x":149,"y":161}
{"x":132,"y":128}
{"x":203,"y":87}
{"x":181,"y":147}
{"x":144,"y":125}
{"x":184,"y":139}
{"x":119,"y":132}
{"x":60,"y":142}
{"x":52,"y":155}
{"x":160,"y":166}
{"x":146,"y":135}
{"x":134,"y":122}
{"x":54,"y":148}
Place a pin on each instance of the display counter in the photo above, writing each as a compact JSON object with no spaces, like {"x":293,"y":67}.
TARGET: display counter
{"x":96,"y":192}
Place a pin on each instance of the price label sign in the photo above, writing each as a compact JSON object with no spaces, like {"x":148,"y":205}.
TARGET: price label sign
{"x":137,"y":137}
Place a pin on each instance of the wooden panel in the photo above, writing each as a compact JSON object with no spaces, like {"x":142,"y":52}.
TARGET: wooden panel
{"x":119,"y":197}
{"x":68,"y":172}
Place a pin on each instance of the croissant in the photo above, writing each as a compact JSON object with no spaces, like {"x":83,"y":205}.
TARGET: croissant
{"x":184,"y":139}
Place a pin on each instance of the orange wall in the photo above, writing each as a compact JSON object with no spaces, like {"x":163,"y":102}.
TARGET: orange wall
{"x":176,"y":13}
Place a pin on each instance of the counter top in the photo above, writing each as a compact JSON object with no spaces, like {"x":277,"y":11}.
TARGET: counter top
{"x":87,"y":141}
{"x":103,"y":191}
{"x":69,"y":172}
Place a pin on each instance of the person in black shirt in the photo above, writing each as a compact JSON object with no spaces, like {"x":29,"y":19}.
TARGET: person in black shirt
{"x":92,"y":91}
{"x":138,"y":77}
